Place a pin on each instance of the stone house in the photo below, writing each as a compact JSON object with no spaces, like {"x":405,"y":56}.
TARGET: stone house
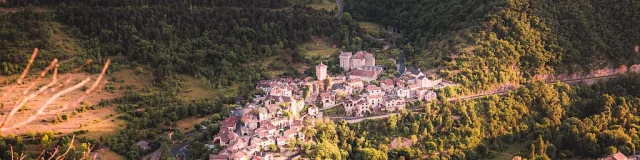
{"x":229,"y":123}
{"x":263,"y":114}
{"x":327,"y":99}
{"x":393,"y":104}
{"x":343,"y":90}
{"x":374,"y":90}
{"x":352,"y":105}
{"x":262,"y":156}
{"x":413,"y":72}
{"x":414,"y":89}
{"x":362,"y":108}
{"x":387,"y":85}
{"x":356,"y":84}
{"x":428,"y":83}
{"x":403,"y":92}
{"x":374,"y":101}
{"x":338,"y":79}
{"x":224,"y":137}
{"x":363,"y":75}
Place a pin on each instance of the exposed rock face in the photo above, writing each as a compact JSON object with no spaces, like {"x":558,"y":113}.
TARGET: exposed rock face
{"x":608,"y":71}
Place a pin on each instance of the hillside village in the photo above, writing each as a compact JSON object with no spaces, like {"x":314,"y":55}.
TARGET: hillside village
{"x":277,"y":118}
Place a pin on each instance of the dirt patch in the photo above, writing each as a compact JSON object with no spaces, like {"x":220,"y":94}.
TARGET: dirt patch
{"x":103,"y":128}
{"x":74,"y":122}
{"x":187,"y":124}
{"x":401,"y":142}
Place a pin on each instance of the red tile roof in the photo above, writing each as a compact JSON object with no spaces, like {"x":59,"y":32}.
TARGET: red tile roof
{"x":229,"y":122}
{"x":363,"y":73}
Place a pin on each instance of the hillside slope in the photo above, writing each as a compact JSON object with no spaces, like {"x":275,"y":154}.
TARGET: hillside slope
{"x":481,"y":44}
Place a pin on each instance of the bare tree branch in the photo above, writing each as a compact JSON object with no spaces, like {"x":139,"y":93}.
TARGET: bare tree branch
{"x":26,"y":70}
{"x":24,"y":74}
{"x":67,"y":79}
{"x":52,"y":86}
{"x":93,"y":87}
{"x":68,"y":148}
{"x":43,"y":107}
{"x":42,"y":74}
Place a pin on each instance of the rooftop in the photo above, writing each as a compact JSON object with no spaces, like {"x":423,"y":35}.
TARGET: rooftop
{"x":363,"y":73}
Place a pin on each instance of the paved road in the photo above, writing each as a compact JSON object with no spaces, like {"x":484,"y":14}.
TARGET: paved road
{"x":340,"y":5}
{"x":153,"y":156}
{"x":181,"y":150}
{"x":475,"y":96}
{"x":570,"y":82}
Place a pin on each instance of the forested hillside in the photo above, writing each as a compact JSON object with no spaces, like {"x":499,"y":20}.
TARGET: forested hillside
{"x":124,"y":3}
{"x":547,"y":121}
{"x":483,"y":43}
{"x":217,"y":43}
{"x":221,"y":43}
{"x":23,"y":31}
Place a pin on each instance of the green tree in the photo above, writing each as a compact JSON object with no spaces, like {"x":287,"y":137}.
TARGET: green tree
{"x":45,"y":141}
{"x":371,"y":154}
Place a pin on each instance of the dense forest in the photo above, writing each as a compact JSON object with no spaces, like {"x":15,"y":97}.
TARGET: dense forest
{"x":125,"y":3}
{"x":551,"y":120}
{"x":220,"y":42}
{"x":480,"y":44}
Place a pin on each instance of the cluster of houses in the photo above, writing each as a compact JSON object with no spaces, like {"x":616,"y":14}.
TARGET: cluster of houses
{"x":360,"y":96}
{"x":276,"y":118}
{"x":273,"y":119}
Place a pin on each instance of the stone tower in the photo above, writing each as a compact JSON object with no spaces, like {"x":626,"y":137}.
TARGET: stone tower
{"x":345,"y":59}
{"x":321,"y":71}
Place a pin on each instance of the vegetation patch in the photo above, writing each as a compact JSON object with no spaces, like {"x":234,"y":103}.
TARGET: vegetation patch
{"x":335,"y":111}
{"x":371,"y":28}
{"x":187,"y":124}
{"x":324,"y":4}
{"x":318,"y":46}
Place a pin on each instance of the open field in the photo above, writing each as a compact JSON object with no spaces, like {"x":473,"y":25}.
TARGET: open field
{"x":104,"y":128}
{"x":325,"y":4}
{"x":198,"y":89}
{"x":107,"y":154}
{"x":186,"y":125}
{"x":512,"y":150}
{"x":371,"y":28}
{"x":318,"y":46}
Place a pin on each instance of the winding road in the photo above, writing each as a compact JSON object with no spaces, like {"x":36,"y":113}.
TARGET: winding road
{"x":350,"y":120}
{"x":340,"y":5}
